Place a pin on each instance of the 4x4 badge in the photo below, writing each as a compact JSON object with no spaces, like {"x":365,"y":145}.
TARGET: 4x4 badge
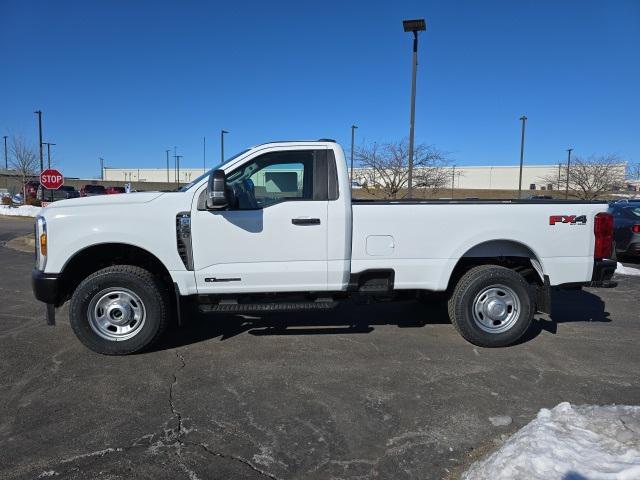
{"x":571,"y":219}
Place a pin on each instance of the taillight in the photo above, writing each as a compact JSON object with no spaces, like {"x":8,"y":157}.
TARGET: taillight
{"x":603,"y":229}
{"x":635,"y":229}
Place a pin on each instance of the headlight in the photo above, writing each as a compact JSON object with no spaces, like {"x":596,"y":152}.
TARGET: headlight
{"x":41,"y":243}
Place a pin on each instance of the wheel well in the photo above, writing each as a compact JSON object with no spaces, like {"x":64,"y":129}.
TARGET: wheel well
{"x":505,"y":253}
{"x":96,"y":257}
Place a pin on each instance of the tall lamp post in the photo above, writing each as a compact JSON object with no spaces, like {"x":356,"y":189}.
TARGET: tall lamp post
{"x":48,"y":144}
{"x":222,"y":132}
{"x":353,"y":137}
{"x":414,"y":26}
{"x":167,"y":152}
{"x":524,"y":121}
{"x":39,"y":113}
{"x":6,"y":158}
{"x":566,"y":188}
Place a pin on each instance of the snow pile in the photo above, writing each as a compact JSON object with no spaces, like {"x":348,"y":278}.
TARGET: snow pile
{"x":21,"y":211}
{"x":567,"y":442}
{"x":622,"y":270}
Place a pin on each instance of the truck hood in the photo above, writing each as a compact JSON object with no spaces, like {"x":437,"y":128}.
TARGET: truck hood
{"x":101,"y":200}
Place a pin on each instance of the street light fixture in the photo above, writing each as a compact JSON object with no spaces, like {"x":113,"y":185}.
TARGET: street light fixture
{"x":48,"y":144}
{"x":414,"y":26}
{"x":222,"y":132}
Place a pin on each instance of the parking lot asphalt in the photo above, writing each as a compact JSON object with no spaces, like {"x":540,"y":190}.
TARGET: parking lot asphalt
{"x":363,"y":391}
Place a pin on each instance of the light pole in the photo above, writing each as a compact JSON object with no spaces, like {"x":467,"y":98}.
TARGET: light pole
{"x":222,"y":132}
{"x":178,"y":157}
{"x":48,"y":153}
{"x":566,"y":189}
{"x":6,"y":158}
{"x":524,"y":121}
{"x":353,"y":137}
{"x":414,"y":26}
{"x":39,"y":113}
{"x":167,"y":152}
{"x":101,"y":168}
{"x":453,"y":180}
{"x":204,"y":154}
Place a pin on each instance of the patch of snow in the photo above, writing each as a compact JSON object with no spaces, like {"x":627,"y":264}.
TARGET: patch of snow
{"x":622,"y":270}
{"x":21,"y":211}
{"x":568,"y":441}
{"x":501,"y":420}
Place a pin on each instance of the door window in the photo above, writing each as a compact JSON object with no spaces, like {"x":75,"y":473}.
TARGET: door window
{"x":272,"y":178}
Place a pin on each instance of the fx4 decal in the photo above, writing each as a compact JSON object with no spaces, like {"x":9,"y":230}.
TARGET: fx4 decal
{"x":570,"y":219}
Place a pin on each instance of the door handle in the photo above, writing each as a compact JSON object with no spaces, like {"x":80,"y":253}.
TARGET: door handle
{"x":305,"y":221}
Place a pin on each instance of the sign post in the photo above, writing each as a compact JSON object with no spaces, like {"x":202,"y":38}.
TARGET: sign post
{"x":51,"y":179}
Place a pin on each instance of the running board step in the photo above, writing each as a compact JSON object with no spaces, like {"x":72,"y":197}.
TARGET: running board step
{"x":266,"y":307}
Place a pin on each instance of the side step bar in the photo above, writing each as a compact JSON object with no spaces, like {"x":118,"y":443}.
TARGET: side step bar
{"x":233,"y":307}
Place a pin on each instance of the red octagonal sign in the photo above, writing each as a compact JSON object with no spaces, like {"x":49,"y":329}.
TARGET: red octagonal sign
{"x":51,"y":179}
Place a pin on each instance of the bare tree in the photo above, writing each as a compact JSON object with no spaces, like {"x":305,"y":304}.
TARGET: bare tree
{"x":23,"y":160}
{"x":592,"y":177}
{"x":385,"y":168}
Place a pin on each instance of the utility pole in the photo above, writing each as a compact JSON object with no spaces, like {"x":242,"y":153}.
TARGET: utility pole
{"x":178,"y":157}
{"x":566,"y":189}
{"x":222,"y":132}
{"x":413,"y":26}
{"x":6,"y":158}
{"x":524,"y":121}
{"x":453,"y":180}
{"x":48,"y":153}
{"x":167,"y":152}
{"x":101,"y":168}
{"x":353,"y":136}
{"x":39,"y":113}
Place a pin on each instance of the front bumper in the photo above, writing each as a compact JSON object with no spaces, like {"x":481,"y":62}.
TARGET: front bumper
{"x":46,"y":286}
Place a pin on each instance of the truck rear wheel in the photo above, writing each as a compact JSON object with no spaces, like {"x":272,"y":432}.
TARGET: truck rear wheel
{"x":491,"y":306}
{"x":119,"y":310}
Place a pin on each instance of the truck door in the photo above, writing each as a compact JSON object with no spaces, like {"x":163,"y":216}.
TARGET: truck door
{"x":273,"y":237}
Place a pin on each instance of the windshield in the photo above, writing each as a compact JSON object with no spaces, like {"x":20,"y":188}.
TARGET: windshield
{"x":633,"y":212}
{"x":206,"y":174}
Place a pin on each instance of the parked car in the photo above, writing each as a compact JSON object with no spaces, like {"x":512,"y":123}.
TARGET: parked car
{"x":63,"y":193}
{"x":355,"y":184}
{"x":626,"y":224}
{"x":113,"y":190}
{"x":31,"y":188}
{"x":238,"y":239}
{"x":92,"y":190}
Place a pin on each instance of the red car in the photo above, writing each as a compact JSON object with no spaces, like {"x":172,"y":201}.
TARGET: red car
{"x":112,"y":190}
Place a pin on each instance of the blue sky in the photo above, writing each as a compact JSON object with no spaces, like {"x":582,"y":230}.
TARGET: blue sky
{"x":125,"y":80}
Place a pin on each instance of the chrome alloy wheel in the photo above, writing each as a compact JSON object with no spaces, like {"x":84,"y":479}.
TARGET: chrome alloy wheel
{"x":496,"y":309}
{"x":116,"y":314}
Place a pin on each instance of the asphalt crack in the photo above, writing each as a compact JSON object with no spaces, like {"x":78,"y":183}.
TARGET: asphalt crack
{"x":236,"y":459}
{"x":176,"y":413}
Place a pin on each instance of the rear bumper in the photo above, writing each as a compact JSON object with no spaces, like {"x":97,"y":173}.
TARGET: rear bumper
{"x":603,"y":271}
{"x":46,"y":286}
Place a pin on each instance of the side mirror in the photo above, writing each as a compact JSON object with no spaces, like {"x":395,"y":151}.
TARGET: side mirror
{"x":216,"y":190}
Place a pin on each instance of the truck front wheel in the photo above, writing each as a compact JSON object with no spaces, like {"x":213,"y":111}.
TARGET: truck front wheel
{"x":491,"y":306}
{"x":119,"y":310}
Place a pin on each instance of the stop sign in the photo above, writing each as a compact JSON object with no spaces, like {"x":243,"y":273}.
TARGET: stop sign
{"x":51,"y":179}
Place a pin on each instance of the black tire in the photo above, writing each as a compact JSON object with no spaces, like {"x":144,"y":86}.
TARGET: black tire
{"x":468,"y":293}
{"x":137,"y":281}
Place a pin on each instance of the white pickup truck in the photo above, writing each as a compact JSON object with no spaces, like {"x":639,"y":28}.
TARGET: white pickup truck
{"x":275,"y":228}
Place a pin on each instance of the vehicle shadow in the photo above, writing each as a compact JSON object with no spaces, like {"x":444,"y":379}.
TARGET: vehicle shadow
{"x":349,"y":317}
{"x":568,"y":306}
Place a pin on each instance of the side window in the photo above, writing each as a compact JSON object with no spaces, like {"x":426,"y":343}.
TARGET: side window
{"x":273,"y":178}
